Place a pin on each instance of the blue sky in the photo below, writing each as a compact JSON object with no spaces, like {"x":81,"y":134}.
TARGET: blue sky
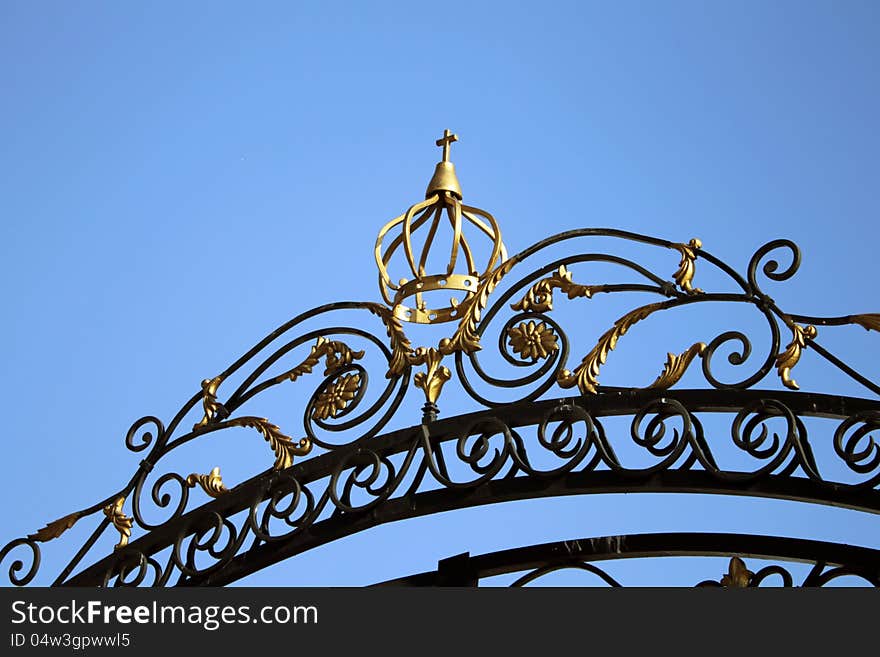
{"x":178,"y":180}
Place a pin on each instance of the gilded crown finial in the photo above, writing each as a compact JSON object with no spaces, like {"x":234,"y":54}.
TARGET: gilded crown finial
{"x":463,"y":273}
{"x":446,"y":141}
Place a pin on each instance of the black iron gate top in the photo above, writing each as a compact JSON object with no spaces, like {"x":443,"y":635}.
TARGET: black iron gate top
{"x":318,"y":489}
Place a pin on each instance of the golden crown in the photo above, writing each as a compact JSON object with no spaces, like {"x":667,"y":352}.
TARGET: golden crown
{"x":443,"y":197}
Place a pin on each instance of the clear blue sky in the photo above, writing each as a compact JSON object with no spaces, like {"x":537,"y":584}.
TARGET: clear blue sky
{"x":177,"y":179}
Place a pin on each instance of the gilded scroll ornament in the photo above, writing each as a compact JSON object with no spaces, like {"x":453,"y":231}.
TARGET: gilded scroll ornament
{"x":336,"y":354}
{"x":336,"y":396}
{"x":55,"y":528}
{"x":585,"y":375}
{"x":786,"y":360}
{"x":738,"y":576}
{"x":539,"y":298}
{"x":676,"y":366}
{"x":869,"y":321}
{"x":431,"y":381}
{"x":466,"y":338}
{"x":211,"y":483}
{"x":684,"y":275}
{"x":213,"y":409}
{"x":120,"y":521}
{"x":401,"y":347}
{"x":532,"y":340}
{"x":283,"y":446}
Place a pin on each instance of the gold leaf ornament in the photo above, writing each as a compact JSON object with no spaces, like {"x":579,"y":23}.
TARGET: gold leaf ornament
{"x":868,"y":321}
{"x":431,"y":381}
{"x":336,"y":396}
{"x":684,"y":275}
{"x":786,"y":360}
{"x":336,"y":354}
{"x":466,"y":338}
{"x":738,"y":576}
{"x":211,"y":483}
{"x":212,"y":407}
{"x":282,"y":445}
{"x":120,"y":521}
{"x":401,"y":347}
{"x":585,"y":375}
{"x":539,"y":298}
{"x":676,"y":366}
{"x":55,"y":528}
{"x":532,"y":340}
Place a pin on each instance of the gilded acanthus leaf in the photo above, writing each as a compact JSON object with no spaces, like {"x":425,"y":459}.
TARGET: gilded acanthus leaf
{"x":336,"y":354}
{"x":786,"y":360}
{"x":676,"y":366}
{"x":120,"y":521}
{"x":738,"y":576}
{"x":283,"y":446}
{"x":869,"y":321}
{"x":684,"y":275}
{"x":211,"y":483}
{"x":466,"y":338}
{"x":539,"y":298}
{"x":532,"y":340}
{"x":336,"y":396}
{"x":55,"y":528}
{"x":401,"y":347}
{"x":585,"y":375}
{"x":213,"y":409}
{"x":430,"y":382}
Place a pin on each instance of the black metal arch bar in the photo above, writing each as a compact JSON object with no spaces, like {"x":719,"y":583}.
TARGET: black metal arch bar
{"x":466,"y":570}
{"x":234,"y":563}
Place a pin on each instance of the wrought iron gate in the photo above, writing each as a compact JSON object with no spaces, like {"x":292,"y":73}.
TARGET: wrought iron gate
{"x":347,"y":470}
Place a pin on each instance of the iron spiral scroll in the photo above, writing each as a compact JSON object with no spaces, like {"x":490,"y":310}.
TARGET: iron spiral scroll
{"x":346,"y":470}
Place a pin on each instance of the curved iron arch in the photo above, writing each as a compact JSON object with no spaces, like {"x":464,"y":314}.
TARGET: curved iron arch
{"x":828,"y":561}
{"x":363,"y":486}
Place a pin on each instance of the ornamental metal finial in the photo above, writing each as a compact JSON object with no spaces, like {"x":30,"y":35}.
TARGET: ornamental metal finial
{"x":444,"y":178}
{"x":446,"y":141}
{"x":464,"y":273}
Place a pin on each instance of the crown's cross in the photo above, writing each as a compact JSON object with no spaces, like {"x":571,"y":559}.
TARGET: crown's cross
{"x":445,"y":141}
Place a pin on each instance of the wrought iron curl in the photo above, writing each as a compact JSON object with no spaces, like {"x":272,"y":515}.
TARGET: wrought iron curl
{"x":859,"y":451}
{"x":339,"y":395}
{"x":205,"y":539}
{"x":771,"y":266}
{"x":293,"y":491}
{"x":659,"y":411}
{"x":753,"y":417}
{"x":17,"y":565}
{"x":139,"y":442}
{"x":562,"y":441}
{"x":821,"y":579}
{"x":738,"y":358}
{"x":134,"y":563}
{"x":369,"y":471}
{"x":472,"y":445}
{"x":538,"y":573}
{"x":544,"y":327}
{"x":769,"y":571}
{"x":161,"y":499}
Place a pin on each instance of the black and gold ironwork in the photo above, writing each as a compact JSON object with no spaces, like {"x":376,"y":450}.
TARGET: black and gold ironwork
{"x":347,"y":469}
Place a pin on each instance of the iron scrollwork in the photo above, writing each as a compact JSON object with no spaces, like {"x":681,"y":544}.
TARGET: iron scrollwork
{"x":345,"y":464}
